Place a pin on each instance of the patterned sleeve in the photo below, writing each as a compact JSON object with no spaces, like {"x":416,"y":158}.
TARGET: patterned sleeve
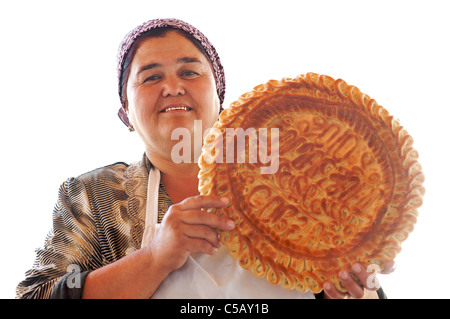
{"x":70,"y":249}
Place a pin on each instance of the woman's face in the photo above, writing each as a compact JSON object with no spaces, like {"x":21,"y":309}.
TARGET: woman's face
{"x":171,"y":84}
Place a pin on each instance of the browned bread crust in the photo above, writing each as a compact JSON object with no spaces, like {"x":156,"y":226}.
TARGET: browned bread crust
{"x":346,"y":190}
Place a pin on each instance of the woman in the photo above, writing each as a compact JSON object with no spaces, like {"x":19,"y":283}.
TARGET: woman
{"x":116,"y":231}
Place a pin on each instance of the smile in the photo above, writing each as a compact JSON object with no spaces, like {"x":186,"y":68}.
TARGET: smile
{"x":176,"y":108}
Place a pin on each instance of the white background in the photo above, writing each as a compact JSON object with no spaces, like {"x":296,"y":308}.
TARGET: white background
{"x":59,"y":99}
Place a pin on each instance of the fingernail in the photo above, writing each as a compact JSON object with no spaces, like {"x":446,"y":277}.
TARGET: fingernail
{"x":230,"y":224}
{"x":394,"y":266}
{"x":356,"y":268}
{"x":343,"y":275}
{"x":224,"y":200}
{"x":327,"y":286}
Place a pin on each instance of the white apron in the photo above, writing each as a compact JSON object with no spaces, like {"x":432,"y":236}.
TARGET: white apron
{"x":204,"y":276}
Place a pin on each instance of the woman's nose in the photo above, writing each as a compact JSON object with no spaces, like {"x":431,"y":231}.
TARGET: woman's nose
{"x":173,"y":86}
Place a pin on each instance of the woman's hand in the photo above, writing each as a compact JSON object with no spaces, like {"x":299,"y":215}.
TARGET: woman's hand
{"x":186,"y":229}
{"x":359,"y":282}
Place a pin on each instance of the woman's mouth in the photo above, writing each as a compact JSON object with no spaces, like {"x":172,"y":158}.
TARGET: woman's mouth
{"x":171,"y":108}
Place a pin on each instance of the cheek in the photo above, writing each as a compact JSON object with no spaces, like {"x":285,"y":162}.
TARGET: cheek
{"x":141,"y":103}
{"x":215,"y":108}
{"x":209,"y":97}
{"x":214,"y":111}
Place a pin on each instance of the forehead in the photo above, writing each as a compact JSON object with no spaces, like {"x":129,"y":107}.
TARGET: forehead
{"x":165,"y":49}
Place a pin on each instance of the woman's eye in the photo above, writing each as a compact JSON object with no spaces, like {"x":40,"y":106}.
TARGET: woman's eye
{"x":189,"y":73}
{"x":152,"y":78}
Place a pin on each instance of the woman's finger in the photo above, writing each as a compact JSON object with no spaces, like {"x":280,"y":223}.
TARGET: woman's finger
{"x":199,"y":202}
{"x":367,"y":277}
{"x":389,"y":267}
{"x":353,"y":286}
{"x":196,"y":245}
{"x":331,"y":292}
{"x":204,"y":233}
{"x":201,"y":217}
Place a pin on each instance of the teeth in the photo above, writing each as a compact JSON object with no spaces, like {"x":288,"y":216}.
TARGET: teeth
{"x":174,"y":108}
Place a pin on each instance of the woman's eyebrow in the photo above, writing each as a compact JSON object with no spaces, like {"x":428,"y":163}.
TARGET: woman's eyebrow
{"x":182,"y":60}
{"x":188,"y":60}
{"x":148,"y":67}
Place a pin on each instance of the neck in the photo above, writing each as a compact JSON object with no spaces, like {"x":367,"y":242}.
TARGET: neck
{"x":180,"y":180}
{"x":179,"y":188}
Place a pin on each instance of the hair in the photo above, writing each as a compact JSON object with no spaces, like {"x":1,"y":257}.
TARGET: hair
{"x":154,"y":33}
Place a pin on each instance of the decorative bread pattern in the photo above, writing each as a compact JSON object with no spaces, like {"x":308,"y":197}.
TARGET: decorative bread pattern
{"x":346,"y":189}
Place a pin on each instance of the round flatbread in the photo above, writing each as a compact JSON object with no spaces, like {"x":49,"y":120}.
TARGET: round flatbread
{"x":319,"y":176}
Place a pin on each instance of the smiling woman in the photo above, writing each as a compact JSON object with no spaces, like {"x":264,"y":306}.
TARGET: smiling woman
{"x":170,"y":85}
{"x":142,"y":230}
{"x":102,"y":217}
{"x":159,"y":28}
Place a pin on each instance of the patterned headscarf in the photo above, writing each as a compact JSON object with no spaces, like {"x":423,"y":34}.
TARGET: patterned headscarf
{"x":134,"y":34}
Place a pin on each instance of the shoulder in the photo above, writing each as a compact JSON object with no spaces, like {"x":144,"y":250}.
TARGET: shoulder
{"x":117,"y":171}
{"x":109,"y":176}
